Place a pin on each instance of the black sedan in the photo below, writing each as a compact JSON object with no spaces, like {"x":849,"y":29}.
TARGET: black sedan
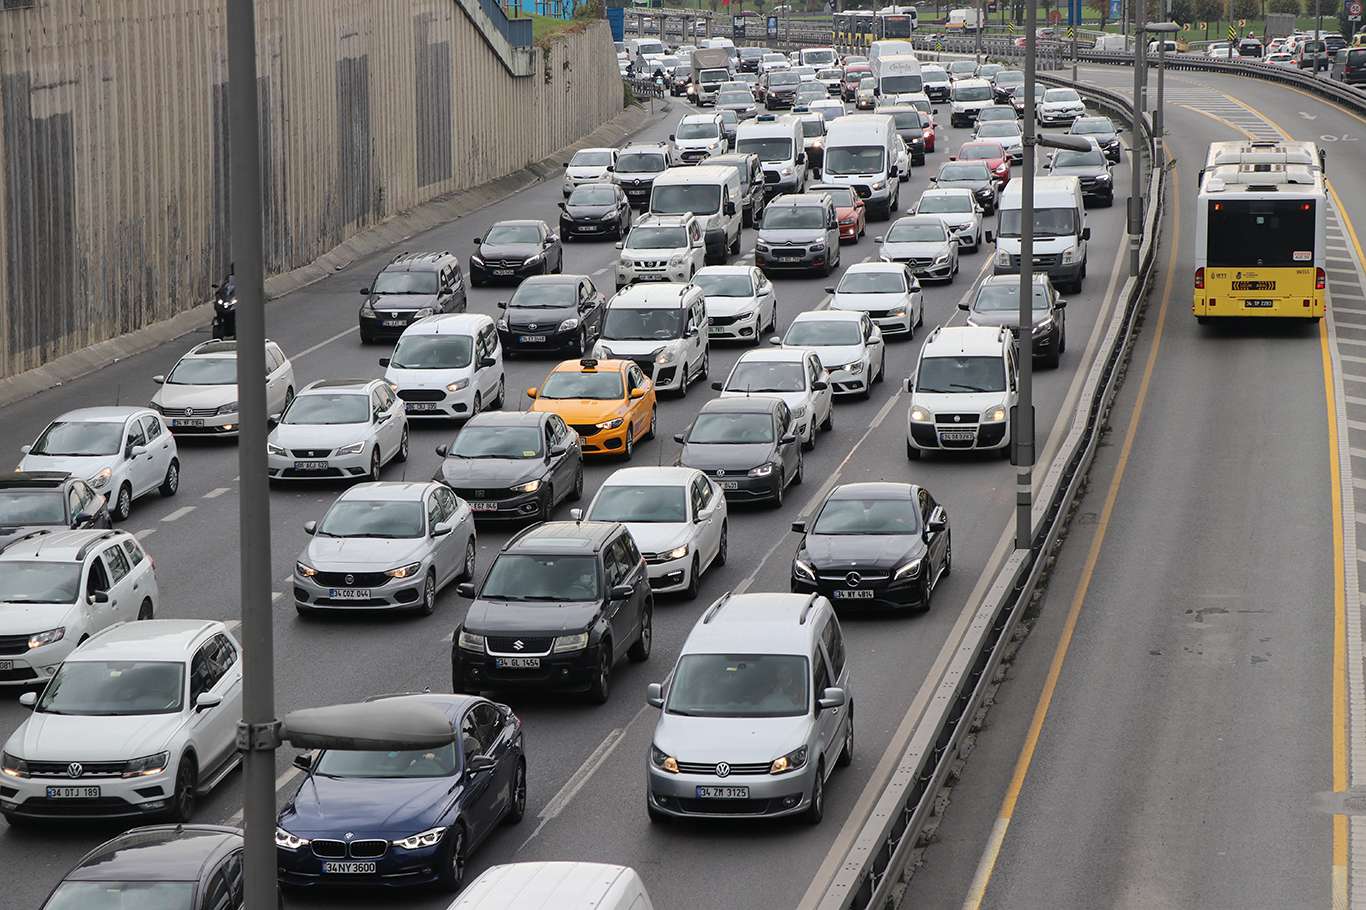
{"x":53,"y":499}
{"x":1092,"y":169}
{"x":512,"y":250}
{"x":1104,"y":131}
{"x":552,"y":313}
{"x":595,"y":210}
{"x":874,"y":545}
{"x":748,"y":445}
{"x":513,"y":465}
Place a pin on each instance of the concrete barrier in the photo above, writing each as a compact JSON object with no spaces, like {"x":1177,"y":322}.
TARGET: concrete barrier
{"x":114,"y":146}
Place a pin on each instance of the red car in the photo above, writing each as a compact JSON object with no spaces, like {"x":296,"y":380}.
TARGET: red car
{"x":849,"y":211}
{"x":852,"y":76}
{"x":993,"y":153}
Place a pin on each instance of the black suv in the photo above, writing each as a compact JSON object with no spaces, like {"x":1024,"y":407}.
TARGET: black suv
{"x":411,"y":286}
{"x":874,"y":545}
{"x":515,"y":465}
{"x":51,"y":499}
{"x":747,"y":445}
{"x":552,"y":313}
{"x":560,"y":605}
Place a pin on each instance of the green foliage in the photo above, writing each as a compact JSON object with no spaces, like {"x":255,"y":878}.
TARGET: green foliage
{"x":1284,"y":6}
{"x":1209,"y":10}
{"x":1182,"y":10}
{"x":1246,"y":9}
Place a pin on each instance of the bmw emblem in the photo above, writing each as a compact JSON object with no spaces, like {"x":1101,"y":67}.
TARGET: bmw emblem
{"x":722,"y":769}
{"x":350,"y":834}
{"x":350,"y":579}
{"x":189,"y":411}
{"x":853,"y":579}
{"x":518,"y":645}
{"x":74,"y":769}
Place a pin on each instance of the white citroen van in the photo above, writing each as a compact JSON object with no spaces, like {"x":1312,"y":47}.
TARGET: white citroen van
{"x":963,"y":391}
{"x":1060,"y":232}
{"x":713,"y":195}
{"x":861,"y":152}
{"x":555,"y":886}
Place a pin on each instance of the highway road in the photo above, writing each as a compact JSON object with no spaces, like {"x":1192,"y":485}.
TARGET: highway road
{"x":1176,"y":729}
{"x":586,"y":763}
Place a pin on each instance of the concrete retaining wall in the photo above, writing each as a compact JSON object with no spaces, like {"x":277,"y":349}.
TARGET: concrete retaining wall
{"x":114,"y":151}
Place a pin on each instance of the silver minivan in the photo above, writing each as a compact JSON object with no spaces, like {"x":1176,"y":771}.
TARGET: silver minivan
{"x":756,"y":714}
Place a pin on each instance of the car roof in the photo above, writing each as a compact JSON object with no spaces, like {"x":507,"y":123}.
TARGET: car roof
{"x":518,"y":222}
{"x":146,"y":639}
{"x":876,"y":489}
{"x":556,"y":279}
{"x":225,"y":348}
{"x":600,"y":365}
{"x":449,"y":323}
{"x":418,"y":262}
{"x":764,"y":623}
{"x":387,"y":491}
{"x":158,"y":853}
{"x":650,"y":477}
{"x":597,"y":148}
{"x":507,"y":419}
{"x":37,"y":480}
{"x":105,"y":414}
{"x":831,"y":315}
{"x":725,"y":270}
{"x":56,"y":544}
{"x":780,"y":355}
{"x":666,"y":220}
{"x":1013,"y":280}
{"x":964,"y":339}
{"x":563,"y":537}
{"x":808,"y":198}
{"x":741,"y":404}
{"x":972,"y":83}
{"x":356,"y":386}
{"x":895,"y":267}
{"x":654,"y":295}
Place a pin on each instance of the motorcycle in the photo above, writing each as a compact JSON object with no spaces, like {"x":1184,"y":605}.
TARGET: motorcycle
{"x":225,"y":307}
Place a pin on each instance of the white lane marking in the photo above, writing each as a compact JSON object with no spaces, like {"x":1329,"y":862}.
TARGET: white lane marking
{"x":324,"y":343}
{"x":215,"y":492}
{"x":595,"y":760}
{"x":275,"y":595}
{"x":178,"y":513}
{"x":144,"y":533}
{"x":288,"y":578}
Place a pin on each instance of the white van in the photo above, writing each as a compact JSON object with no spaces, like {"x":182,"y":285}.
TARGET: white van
{"x":663,"y":328}
{"x":779,"y":142}
{"x":897,"y":75}
{"x":861,"y":152}
{"x":555,"y":886}
{"x":712,"y":194}
{"x":447,"y":366}
{"x":963,"y":391}
{"x":966,"y":98}
{"x":645,"y":52}
{"x":1060,"y":231}
{"x":819,"y":57}
{"x":892,"y":47}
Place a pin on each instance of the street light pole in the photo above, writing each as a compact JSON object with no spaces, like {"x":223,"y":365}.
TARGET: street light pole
{"x":258,"y":731}
{"x":981,"y":21}
{"x":1023,"y":419}
{"x":1136,"y":158}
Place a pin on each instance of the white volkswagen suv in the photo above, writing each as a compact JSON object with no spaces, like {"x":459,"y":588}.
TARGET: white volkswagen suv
{"x":140,"y":720}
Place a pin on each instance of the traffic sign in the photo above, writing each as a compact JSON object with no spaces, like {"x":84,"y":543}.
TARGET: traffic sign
{"x":1232,"y":33}
{"x":1010,"y":28}
{"x":1071,"y":33}
{"x":1242,"y":23}
{"x":1354,"y":10}
{"x":1204,"y":25}
{"x":939,"y":44}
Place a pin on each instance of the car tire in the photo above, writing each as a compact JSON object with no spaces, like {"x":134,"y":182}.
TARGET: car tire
{"x":654,"y":418}
{"x":640,"y":651}
{"x":722,"y":547}
{"x":1054,"y":356}
{"x":706,"y":364}
{"x":948,"y":553}
{"x":816,"y":811}
{"x":471,"y":560}
{"x":577,"y":493}
{"x":683,"y":378}
{"x":912,"y":453}
{"x":171,"y":483}
{"x":601,"y":687}
{"x":547,"y":504}
{"x":478,"y":407}
{"x":517,"y":805}
{"x":847,"y":750}
{"x":402,"y":454}
{"x":184,"y":797}
{"x":1062,"y":340}
{"x":375,"y":466}
{"x":502,"y":393}
{"x":123,"y":503}
{"x":146,"y":610}
{"x":628,"y":447}
{"x":828,"y":423}
{"x":694,"y":579}
{"x":882,"y":367}
{"x":452,"y":873}
{"x":926,"y":591}
{"x":776,"y":501}
{"x":735,"y":245}
{"x":800,"y":473}
{"x":367,"y":338}
{"x":427,"y":606}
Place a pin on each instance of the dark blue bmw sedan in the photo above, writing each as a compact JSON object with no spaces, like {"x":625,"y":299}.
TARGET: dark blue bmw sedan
{"x":405,"y":818}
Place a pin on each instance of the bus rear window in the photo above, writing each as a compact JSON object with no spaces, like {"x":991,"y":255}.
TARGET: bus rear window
{"x":1259,"y":232}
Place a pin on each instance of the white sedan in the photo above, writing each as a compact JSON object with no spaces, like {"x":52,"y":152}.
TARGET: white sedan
{"x":345,"y":429}
{"x":959,"y":211}
{"x":139,"y":720}
{"x":741,"y":303}
{"x":886,"y":291}
{"x":677,"y":517}
{"x":796,"y":377}
{"x":848,"y":344}
{"x":1006,"y":132}
{"x":1059,"y":107}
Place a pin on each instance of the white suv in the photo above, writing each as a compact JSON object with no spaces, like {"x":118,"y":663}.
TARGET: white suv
{"x":139,"y":720}
{"x":661,"y":248}
{"x":663,"y":328}
{"x":447,"y":366}
{"x":58,"y":587}
{"x":962,"y":392}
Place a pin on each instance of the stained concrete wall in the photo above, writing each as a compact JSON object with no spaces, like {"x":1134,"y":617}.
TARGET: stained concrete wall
{"x":114,"y":146}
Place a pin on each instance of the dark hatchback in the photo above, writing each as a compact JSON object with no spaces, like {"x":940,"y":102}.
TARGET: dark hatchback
{"x":411,"y":286}
{"x":404,"y":818}
{"x":998,"y":304}
{"x":512,"y":250}
{"x":513,"y":465}
{"x":48,"y":499}
{"x":1104,"y":131}
{"x":159,"y":867}
{"x":747,"y":446}
{"x":560,"y":314}
{"x":595,"y":210}
{"x":874,"y":545}
{"x":560,"y":606}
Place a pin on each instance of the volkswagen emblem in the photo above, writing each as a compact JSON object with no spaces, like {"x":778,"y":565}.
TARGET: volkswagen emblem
{"x":722,"y":769}
{"x":74,"y":769}
{"x":350,"y":579}
{"x":957,"y":418}
{"x":853,"y":579}
{"x":721,"y":472}
{"x":518,"y":645}
{"x":531,"y":325}
{"x":189,"y":411}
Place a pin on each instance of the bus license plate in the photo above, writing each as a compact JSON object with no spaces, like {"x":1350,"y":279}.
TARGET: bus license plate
{"x":73,"y":792}
{"x":1258,"y":304}
{"x":349,"y":868}
{"x":723,"y":792}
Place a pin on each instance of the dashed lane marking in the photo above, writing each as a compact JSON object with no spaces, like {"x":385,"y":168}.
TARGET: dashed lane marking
{"x":215,"y":492}
{"x":144,"y":533}
{"x":178,"y":513}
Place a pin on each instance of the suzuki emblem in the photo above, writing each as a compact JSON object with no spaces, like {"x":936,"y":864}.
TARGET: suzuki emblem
{"x":74,"y":769}
{"x":350,"y":579}
{"x":722,"y":769}
{"x":853,"y":579}
{"x":518,"y":645}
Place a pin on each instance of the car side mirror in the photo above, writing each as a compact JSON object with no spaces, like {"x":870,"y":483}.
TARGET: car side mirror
{"x":776,"y":341}
{"x":910,"y":383}
{"x":831,"y":698}
{"x":99,"y":597}
{"x":25,"y":449}
{"x":562,"y":207}
{"x":479,"y":764}
{"x":619,"y":245}
{"x":136,"y":451}
{"x":830,"y":289}
{"x":799,"y":527}
{"x":1086,"y":233}
{"x":637,"y":394}
{"x":207,"y":700}
{"x":953,"y":157}
{"x":671,"y":137}
{"x":820,"y":385}
{"x":934,"y":179}
{"x":442,"y":529}
{"x":485,"y":362}
{"x":531,"y":392}
{"x":938,"y":520}
{"x":730,"y":208}
{"x":28,"y":699}
{"x":443,"y":450}
{"x":801,"y":158}
{"x":654,"y":695}
{"x":304,"y":761}
{"x":159,"y":379}
{"x":465,"y":589}
{"x":1061,"y":304}
{"x":478,"y":240}
{"x":964,"y":307}
{"x":788,"y":439}
{"x":384,"y":361}
{"x":576,"y":514}
{"x":692,"y":332}
{"x":552,"y":238}
{"x":365,"y":292}
{"x":611,"y":168}
{"x":988,"y":236}
{"x":716,"y":387}
{"x":621,"y":592}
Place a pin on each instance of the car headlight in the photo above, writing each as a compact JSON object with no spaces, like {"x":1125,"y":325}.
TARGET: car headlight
{"x":569,"y":324}
{"x":785,"y":170}
{"x":799,"y":412}
{"x":531,"y":486}
{"x":846,"y":221}
{"x":1068,"y":255}
{"x":429,"y":838}
{"x":675,"y":553}
{"x":502,"y":325}
{"x":603,"y":351}
{"x":534,"y":259}
{"x":575,"y":642}
{"x":907,"y":570}
{"x":458,"y":385}
{"x":367,"y":308}
{"x":817,"y":247}
{"x":476,"y":260}
{"x":879,"y":184}
{"x":147,"y":766}
{"x":760,"y":247}
{"x":305,"y":570}
{"x":610,"y":424}
{"x":995,"y":415}
{"x":423,"y":313}
{"x":762,"y":471}
{"x":470,"y":641}
{"x":1102,"y":178}
{"x":353,"y":449}
{"x":855,"y":367}
{"x":668,"y":355}
{"x":662,"y":760}
{"x":101,"y":480}
{"x":229,"y":408}
{"x":792,"y":761}
{"x":407,"y":571}
{"x":284,"y":839}
{"x":38,"y":639}
{"x":277,"y":451}
{"x":1043,"y":325}
{"x":803,"y":569}
{"x":13,"y":767}
{"x":1002,"y":258}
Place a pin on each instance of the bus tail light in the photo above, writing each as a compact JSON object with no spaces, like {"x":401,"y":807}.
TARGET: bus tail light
{"x":1200,"y":278}
{"x":1320,"y":280}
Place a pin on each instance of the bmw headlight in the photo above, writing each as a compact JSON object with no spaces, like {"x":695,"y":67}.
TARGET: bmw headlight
{"x":762,"y":471}
{"x":471,"y":642}
{"x":803,"y":569}
{"x":407,"y":571}
{"x":792,"y":761}
{"x":429,"y":838}
{"x":569,"y":324}
{"x":352,"y":449}
{"x":575,"y":642}
{"x":38,"y":639}
{"x":277,"y":451}
{"x":610,"y":424}
{"x":995,"y":415}
{"x":920,"y":415}
{"x":668,"y":355}
{"x":531,"y":486}
{"x":147,"y":766}
{"x":100,"y":480}
{"x":907,"y":570}
{"x":289,"y":841}
{"x":675,"y":553}
{"x":305,"y":570}
{"x":662,"y":760}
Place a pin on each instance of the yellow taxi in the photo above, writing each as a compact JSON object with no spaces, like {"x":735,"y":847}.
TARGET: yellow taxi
{"x":609,"y":403}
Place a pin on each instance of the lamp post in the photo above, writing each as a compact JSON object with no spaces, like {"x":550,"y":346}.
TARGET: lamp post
{"x":1162,"y":30}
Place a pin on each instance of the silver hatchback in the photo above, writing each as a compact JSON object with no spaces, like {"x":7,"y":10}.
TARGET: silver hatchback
{"x":756,"y":714}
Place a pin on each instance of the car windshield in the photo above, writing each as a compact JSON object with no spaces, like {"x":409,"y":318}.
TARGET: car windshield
{"x":999,"y":128}
{"x":813,"y":127}
{"x":113,"y":688}
{"x":567,"y":384}
{"x":642,"y":163}
{"x":962,"y":67}
{"x":320,"y":409}
{"x":545,"y":295}
{"x":961,"y":374}
{"x":766,"y":376}
{"x":945,"y":204}
{"x":984,"y":152}
{"x":640,"y":504}
{"x":204,"y":371}
{"x":873,"y":282}
{"x":731,"y":429}
{"x":793,"y":217}
{"x":643,"y":324}
{"x":820,"y":332}
{"x":497,"y":442}
{"x":768,"y":148}
{"x":907,"y":120}
{"x":740,"y":685}
{"x":783,"y":80}
{"x":593,"y":194}
{"x":713,"y":75}
{"x":439,"y":762}
{"x":842,"y":196}
{"x":1070,"y":158}
{"x":1047,"y":223}
{"x":698,"y":198}
{"x":40,"y":582}
{"x":1092,"y":126}
{"x":972,"y":93}
{"x":404,"y":283}
{"x":917,"y":231}
{"x":1005,"y":298}
{"x":646,"y":237}
{"x":1009,"y":77}
{"x":724,"y":285}
{"x":818,"y":58}
{"x":384,"y":518}
{"x":31,"y":507}
{"x":78,"y":438}
{"x":735,"y":98}
{"x":867,"y":84}
{"x":591,"y":158}
{"x":703,"y":129}
{"x":1061,"y":94}
{"x":826,"y":74}
{"x":855,"y":159}
{"x":868,"y":516}
{"x":513,"y":233}
{"x":968,"y":172}
{"x":551,"y":579}
{"x":829,"y":111}
{"x":432,"y":352}
{"x":106,"y":895}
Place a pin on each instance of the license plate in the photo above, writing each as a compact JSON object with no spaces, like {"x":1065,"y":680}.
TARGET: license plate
{"x":349,"y":868}
{"x":517,"y":663}
{"x":6,"y":665}
{"x":728,"y":484}
{"x":349,"y":593}
{"x":957,"y":435}
{"x":395,"y":323}
{"x":532,"y":339}
{"x":853,"y":594}
{"x":310,"y":466}
{"x":1258,"y":304}
{"x":502,"y":271}
{"x":421,"y":406}
{"x":73,"y":792}
{"x":590,"y":229}
{"x":723,"y":792}
{"x":186,"y":422}
{"x":483,"y":507}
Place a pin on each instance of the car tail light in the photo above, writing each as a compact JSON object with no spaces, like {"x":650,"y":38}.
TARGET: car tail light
{"x":1320,"y":280}
{"x":1200,"y":278}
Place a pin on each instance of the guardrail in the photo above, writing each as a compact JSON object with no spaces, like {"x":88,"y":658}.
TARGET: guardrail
{"x":516,"y":31}
{"x":645,"y":89}
{"x":869,"y":875}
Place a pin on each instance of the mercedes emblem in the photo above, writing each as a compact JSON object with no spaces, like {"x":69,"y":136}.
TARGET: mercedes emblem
{"x":722,"y":769}
{"x":853,"y":579}
{"x":518,"y":645}
{"x":350,"y":579}
{"x":74,"y":769}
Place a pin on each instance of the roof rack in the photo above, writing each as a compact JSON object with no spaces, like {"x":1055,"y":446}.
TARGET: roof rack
{"x":81,"y":553}
{"x":23,"y":537}
{"x":806,"y":609}
{"x":715,"y":608}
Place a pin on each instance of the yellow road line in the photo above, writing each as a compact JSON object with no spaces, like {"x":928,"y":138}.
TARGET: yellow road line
{"x":987,"y":864}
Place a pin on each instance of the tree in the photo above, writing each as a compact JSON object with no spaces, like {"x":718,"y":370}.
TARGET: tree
{"x":1285,"y":6}
{"x":1209,"y":10}
{"x":1182,"y":11}
{"x":1248,"y":9}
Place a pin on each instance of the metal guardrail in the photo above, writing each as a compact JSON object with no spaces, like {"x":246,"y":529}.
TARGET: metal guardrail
{"x":516,"y":31}
{"x":874,"y":867}
{"x":645,"y":89}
